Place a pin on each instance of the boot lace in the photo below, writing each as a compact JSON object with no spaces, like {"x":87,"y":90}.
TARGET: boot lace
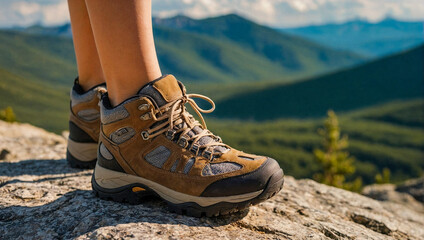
{"x":177,"y":121}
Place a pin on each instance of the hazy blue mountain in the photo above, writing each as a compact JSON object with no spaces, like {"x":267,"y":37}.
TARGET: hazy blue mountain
{"x":232,"y":49}
{"x":370,"y":39}
{"x":396,"y":77}
{"x":61,"y":30}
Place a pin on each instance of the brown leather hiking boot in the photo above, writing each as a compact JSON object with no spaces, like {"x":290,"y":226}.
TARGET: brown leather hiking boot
{"x":151,"y":144}
{"x":84,"y":126}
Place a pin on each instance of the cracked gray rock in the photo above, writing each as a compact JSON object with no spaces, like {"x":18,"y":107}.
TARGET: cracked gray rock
{"x":42,"y":198}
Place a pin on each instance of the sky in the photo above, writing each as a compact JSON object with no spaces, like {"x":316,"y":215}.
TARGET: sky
{"x":276,"y":13}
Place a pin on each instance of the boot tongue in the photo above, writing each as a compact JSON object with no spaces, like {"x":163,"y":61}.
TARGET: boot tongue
{"x":163,"y":90}
{"x":167,"y":89}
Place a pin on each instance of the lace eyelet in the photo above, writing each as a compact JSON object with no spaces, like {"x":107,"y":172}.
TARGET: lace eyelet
{"x":144,"y":135}
{"x":145,"y":116}
{"x":207,"y":154}
{"x":170,"y":134}
{"x":144,"y":107}
{"x":182,"y":142}
{"x":194,"y":149}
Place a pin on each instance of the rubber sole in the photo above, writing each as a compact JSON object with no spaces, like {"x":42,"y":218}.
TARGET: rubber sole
{"x":135,"y":194}
{"x":75,"y":163}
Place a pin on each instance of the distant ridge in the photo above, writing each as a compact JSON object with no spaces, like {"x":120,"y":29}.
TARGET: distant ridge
{"x":386,"y":37}
{"x":290,"y":52}
{"x":397,"y":77}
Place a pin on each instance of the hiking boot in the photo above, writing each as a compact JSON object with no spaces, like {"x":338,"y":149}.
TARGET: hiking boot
{"x":84,"y":126}
{"x":151,"y":144}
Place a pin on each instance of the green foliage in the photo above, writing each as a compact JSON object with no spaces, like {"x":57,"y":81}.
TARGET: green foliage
{"x":37,"y":103}
{"x":198,"y":58}
{"x":335,"y":162}
{"x":373,"y":83}
{"x":354,"y":186}
{"x":41,"y":59}
{"x":409,"y":113}
{"x":384,"y":177}
{"x":7,"y":115}
{"x":375,"y":143}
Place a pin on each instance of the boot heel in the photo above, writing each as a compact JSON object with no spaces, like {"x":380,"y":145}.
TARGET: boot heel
{"x":81,"y":155}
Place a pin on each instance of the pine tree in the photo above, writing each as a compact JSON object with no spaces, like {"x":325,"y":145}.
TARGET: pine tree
{"x":8,"y":115}
{"x":384,"y":177}
{"x":335,"y":161}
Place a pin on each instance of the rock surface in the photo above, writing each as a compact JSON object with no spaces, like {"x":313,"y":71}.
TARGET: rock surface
{"x":414,"y":187}
{"x":389,"y":193}
{"x":42,"y":198}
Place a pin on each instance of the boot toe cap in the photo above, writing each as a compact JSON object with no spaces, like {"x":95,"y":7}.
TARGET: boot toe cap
{"x":250,"y":182}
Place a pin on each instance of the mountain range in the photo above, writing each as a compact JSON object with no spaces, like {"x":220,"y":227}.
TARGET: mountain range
{"x":400,"y":76}
{"x":232,"y":49}
{"x":362,"y":37}
{"x":42,"y":60}
{"x":380,"y":103}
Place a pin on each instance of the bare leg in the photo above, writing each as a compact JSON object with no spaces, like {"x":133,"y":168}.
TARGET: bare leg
{"x":124,"y":39}
{"x":89,"y":68}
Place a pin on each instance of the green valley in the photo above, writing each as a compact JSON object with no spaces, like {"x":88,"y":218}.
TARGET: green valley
{"x":396,"y":77}
{"x":389,"y":135}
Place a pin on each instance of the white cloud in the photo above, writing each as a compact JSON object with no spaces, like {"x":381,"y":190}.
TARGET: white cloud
{"x":296,"y":12}
{"x":26,"y":12}
{"x":56,"y":13}
{"x":273,"y":12}
{"x":26,"y":8}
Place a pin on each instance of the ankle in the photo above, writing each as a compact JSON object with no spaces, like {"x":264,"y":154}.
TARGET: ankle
{"x":117,"y":97}
{"x":88,"y":83}
{"x":119,"y":91}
